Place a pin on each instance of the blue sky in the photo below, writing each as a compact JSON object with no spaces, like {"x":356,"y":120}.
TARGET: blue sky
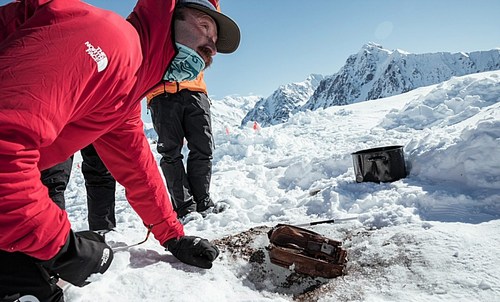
{"x":284,"y":41}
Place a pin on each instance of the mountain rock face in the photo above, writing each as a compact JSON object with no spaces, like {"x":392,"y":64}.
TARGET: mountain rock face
{"x":375,"y":72}
{"x":372,"y":73}
{"x":283,"y":102}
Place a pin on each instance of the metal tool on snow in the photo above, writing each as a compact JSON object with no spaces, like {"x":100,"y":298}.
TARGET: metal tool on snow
{"x":122,"y":248}
{"x":325,"y":221}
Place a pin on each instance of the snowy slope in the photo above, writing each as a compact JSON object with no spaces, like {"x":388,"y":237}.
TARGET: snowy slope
{"x":432,"y":236}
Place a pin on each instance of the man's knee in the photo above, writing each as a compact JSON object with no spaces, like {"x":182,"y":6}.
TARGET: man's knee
{"x":170,"y":155}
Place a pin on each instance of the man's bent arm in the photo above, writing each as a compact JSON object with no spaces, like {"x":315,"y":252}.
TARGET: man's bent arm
{"x":127,"y":154}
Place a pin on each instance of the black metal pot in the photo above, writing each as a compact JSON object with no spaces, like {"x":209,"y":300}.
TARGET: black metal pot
{"x":383,"y":164}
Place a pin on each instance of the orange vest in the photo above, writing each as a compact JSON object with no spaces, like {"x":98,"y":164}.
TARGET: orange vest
{"x":197,"y":84}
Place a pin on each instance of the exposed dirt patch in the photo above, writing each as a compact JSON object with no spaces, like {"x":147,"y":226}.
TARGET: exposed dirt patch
{"x":249,"y":248}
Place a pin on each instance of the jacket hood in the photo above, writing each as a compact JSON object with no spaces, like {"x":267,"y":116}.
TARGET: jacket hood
{"x":153,"y":21}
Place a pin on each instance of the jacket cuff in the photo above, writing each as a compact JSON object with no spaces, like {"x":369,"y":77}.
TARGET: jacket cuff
{"x":167,"y":229}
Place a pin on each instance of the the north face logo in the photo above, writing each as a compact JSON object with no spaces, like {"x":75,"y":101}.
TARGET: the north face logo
{"x":105,"y":256}
{"x":98,"y":55}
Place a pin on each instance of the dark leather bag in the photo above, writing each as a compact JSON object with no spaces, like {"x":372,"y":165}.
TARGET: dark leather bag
{"x":306,"y":252}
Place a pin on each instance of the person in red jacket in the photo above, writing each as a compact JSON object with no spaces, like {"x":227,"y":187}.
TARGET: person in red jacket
{"x":73,"y":75}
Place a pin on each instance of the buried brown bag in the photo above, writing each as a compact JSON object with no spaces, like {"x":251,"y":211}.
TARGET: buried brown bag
{"x":306,"y":252}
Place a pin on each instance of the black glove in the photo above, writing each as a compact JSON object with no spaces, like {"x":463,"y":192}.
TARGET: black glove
{"x":84,"y":254}
{"x":193,"y":250}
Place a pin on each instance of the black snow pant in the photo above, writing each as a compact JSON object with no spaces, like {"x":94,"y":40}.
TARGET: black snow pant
{"x":56,"y":180}
{"x":185,"y":114}
{"x":99,"y":184}
{"x":21,"y":275}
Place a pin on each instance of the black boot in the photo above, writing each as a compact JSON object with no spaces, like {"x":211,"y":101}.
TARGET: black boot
{"x":204,"y":205}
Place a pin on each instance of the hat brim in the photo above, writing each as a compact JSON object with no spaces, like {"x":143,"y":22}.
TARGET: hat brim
{"x":228,"y":32}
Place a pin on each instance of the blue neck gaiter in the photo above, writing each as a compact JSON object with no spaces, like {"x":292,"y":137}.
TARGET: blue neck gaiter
{"x":186,"y":65}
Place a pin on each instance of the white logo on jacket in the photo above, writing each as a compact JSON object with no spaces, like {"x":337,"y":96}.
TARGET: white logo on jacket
{"x":105,"y":256}
{"x":98,"y":55}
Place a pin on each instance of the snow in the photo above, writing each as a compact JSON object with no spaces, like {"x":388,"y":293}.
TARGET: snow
{"x":432,"y":236}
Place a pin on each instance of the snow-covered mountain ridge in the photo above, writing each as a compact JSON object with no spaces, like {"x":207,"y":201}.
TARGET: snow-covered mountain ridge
{"x":278,"y":107}
{"x":375,"y":72}
{"x":372,"y":73}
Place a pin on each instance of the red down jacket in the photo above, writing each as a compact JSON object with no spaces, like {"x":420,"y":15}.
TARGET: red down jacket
{"x":72,"y":74}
